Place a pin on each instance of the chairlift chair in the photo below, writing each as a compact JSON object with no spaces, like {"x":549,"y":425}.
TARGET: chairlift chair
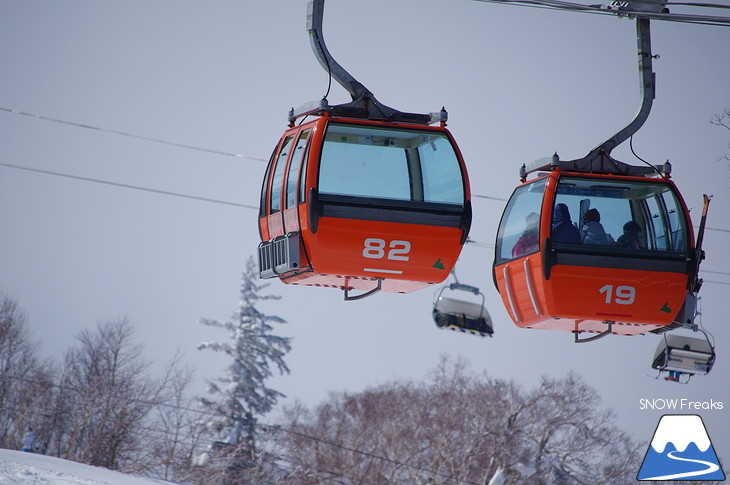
{"x":687,"y":355}
{"x":456,"y":313}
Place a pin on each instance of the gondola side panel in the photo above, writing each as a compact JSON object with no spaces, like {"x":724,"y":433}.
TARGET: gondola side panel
{"x":628,"y":296}
{"x":523,"y":293}
{"x":384,"y":249}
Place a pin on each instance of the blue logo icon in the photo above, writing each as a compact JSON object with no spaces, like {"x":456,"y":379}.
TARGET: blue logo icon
{"x":680,"y":450}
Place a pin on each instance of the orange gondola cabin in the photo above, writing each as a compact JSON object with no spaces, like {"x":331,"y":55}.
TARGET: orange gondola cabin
{"x":595,"y":252}
{"x":362,"y":204}
{"x":597,"y":245}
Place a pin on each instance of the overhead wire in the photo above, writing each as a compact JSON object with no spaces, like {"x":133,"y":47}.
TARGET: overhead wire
{"x":206,"y":199}
{"x":489,"y":197}
{"x":189,"y":147}
{"x":375,"y":456}
{"x":247,"y":206}
{"x":218,"y":152}
{"x":126,"y":186}
{"x":131,"y":135}
{"x":699,"y":4}
{"x":604,"y":10}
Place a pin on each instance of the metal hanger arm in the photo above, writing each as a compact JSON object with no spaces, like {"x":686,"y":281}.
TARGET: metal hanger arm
{"x":364,"y":104}
{"x":647,"y":88}
{"x":599,"y":158}
{"x":315,"y":14}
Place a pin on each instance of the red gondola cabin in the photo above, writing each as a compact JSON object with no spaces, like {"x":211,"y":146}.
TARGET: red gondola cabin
{"x":361,"y":204}
{"x":595,"y":252}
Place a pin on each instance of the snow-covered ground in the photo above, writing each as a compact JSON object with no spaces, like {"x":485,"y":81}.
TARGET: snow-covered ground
{"x":18,"y":468}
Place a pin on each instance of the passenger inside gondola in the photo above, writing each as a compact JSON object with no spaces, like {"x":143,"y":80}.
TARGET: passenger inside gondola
{"x":652,"y":210}
{"x":529,"y":240}
{"x":563,"y":230}
{"x":592,"y":230}
{"x":631,"y":238}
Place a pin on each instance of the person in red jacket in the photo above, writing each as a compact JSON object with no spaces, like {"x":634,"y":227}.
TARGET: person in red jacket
{"x":529,"y":240}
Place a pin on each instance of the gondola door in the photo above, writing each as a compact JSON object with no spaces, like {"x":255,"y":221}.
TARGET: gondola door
{"x":291,"y":197}
{"x":281,"y":202}
{"x":270,"y":222}
{"x":280,"y":195}
{"x":518,"y":264}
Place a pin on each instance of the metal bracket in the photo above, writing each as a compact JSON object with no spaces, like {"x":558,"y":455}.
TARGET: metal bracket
{"x":279,"y":255}
{"x":632,"y":8}
{"x":601,"y":162}
{"x":595,"y":337}
{"x":363,"y":295}
{"x":463,"y":287}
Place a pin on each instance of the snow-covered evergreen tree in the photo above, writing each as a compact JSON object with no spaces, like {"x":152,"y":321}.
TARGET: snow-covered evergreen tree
{"x":241,"y":395}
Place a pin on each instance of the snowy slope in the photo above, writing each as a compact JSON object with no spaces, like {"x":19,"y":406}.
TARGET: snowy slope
{"x":18,"y":468}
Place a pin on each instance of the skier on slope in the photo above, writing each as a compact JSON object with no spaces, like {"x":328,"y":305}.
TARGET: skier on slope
{"x":30,"y":441}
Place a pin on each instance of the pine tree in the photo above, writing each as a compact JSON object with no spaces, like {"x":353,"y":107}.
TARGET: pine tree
{"x":241,"y":395}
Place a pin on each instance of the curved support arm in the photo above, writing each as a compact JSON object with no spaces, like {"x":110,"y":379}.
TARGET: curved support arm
{"x":647,"y":86}
{"x":361,"y":96}
{"x":599,"y":158}
{"x":315,"y":14}
{"x":363,"y":102}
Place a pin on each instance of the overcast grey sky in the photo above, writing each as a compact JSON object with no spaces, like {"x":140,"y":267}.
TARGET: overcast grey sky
{"x":518,"y":83}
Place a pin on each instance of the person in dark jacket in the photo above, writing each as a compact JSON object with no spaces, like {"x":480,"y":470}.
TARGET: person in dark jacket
{"x":631,"y":236}
{"x":563,"y":229}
